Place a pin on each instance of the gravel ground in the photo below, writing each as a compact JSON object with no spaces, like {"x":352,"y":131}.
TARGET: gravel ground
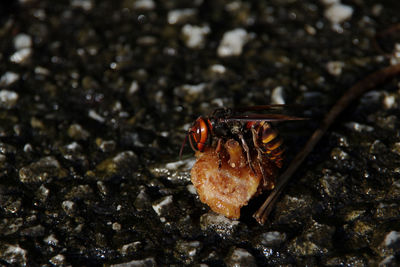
{"x":95,"y":99}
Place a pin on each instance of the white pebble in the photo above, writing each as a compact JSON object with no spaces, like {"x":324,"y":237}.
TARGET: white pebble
{"x":8,"y":78}
{"x":194,"y":36}
{"x":191,"y":189}
{"x":334,"y":67}
{"x":389,"y":101}
{"x":21,"y":56}
{"x":277,"y":96}
{"x":218,"y":68}
{"x":68,"y":206}
{"x":28,"y":148}
{"x":134,"y":87}
{"x":15,"y":254}
{"x":144,"y":4}
{"x":58,"y":260}
{"x":94,"y":115}
{"x":43,"y":192}
{"x":158,"y":207}
{"x":51,"y":240}
{"x":116,"y":226}
{"x":8,"y":99}
{"x":22,"y":41}
{"x":358,"y":127}
{"x":337,"y":13}
{"x":272,"y":238}
{"x":180,"y":15}
{"x":392,"y":238}
{"x":74,"y":145}
{"x":193,"y":89}
{"x":41,"y":71}
{"x":232,"y":43}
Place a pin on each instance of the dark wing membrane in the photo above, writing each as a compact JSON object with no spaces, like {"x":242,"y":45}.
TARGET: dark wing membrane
{"x":260,"y":107}
{"x":264,"y":117}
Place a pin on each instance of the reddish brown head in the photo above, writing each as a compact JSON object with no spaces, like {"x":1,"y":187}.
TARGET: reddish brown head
{"x":198,"y":134}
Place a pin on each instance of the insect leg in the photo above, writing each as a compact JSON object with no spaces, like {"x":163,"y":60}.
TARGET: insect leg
{"x":247,"y":150}
{"x":218,"y":150}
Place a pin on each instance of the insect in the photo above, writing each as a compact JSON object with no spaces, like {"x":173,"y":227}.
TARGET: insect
{"x":254,"y":132}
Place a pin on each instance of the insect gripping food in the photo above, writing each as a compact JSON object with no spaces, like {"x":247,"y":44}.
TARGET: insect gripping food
{"x":238,"y":155}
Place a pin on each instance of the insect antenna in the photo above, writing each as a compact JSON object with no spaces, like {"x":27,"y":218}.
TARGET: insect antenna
{"x":183,"y":145}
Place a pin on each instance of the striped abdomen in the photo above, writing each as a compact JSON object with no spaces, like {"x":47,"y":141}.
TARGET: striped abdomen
{"x":269,"y":141}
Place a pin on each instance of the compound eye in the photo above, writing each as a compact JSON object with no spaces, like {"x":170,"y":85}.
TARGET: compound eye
{"x":199,"y":133}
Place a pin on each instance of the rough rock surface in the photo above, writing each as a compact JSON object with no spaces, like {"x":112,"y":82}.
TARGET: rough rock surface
{"x":95,"y":99}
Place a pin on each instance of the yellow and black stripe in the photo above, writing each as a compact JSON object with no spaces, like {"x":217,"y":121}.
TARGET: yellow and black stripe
{"x":272,"y":143}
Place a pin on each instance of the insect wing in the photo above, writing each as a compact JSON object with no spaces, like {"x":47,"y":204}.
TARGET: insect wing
{"x":260,"y":107}
{"x":264,"y":117}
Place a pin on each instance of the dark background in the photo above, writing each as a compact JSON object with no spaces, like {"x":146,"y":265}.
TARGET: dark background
{"x":84,"y":155}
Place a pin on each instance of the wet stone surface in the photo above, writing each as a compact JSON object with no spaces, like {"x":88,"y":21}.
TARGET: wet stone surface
{"x":96,"y":98}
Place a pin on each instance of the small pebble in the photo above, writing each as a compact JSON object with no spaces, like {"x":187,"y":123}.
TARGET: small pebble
{"x":232,"y":43}
{"x":179,"y":16}
{"x":58,"y":260}
{"x":191,"y":189}
{"x":96,"y":116}
{"x":389,"y":101}
{"x":161,"y":206}
{"x":13,"y":254}
{"x":358,"y":127}
{"x":106,"y":145}
{"x":8,"y":99}
{"x":41,"y":71}
{"x":42,"y":193}
{"x":218,"y":69}
{"x":392,"y":238}
{"x":116,"y":226}
{"x":334,"y":67}
{"x":102,"y":188}
{"x":240,"y":257}
{"x":21,"y":56}
{"x":51,"y":240}
{"x":194,"y":36}
{"x":193,"y":89}
{"x":144,"y":5}
{"x":338,"y":13}
{"x":8,"y":78}
{"x":272,"y":238}
{"x":68,"y":206}
{"x":130,"y":248}
{"x":218,"y":223}
{"x":22,"y":41}
{"x":277,"y":96}
{"x":133,"y":88}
